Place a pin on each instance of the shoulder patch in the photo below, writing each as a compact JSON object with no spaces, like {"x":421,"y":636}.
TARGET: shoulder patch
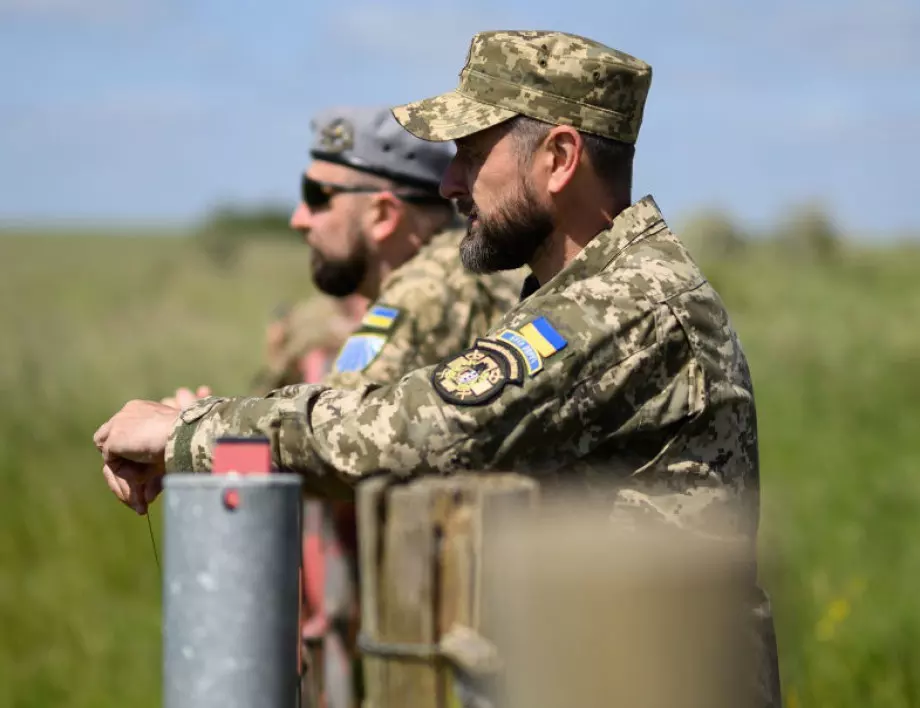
{"x":358,"y":352}
{"x":543,"y":337}
{"x":532,"y":359}
{"x":380,"y":317}
{"x":515,"y":364}
{"x":477,"y":375}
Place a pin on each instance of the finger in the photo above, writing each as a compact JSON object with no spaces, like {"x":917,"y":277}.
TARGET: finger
{"x":109,"y":456}
{"x":102,"y":434}
{"x":120,"y":486}
{"x":152,"y":488}
{"x":203,"y":391}
{"x":184,"y":397}
{"x":171,"y":402}
{"x":128,"y":480}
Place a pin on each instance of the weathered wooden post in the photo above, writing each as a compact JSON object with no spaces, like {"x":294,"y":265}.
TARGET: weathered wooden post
{"x":423,"y":632}
{"x":231,"y":590}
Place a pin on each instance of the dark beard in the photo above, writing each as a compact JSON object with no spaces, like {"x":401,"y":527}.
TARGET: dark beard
{"x":339,"y":278}
{"x":508,"y":239}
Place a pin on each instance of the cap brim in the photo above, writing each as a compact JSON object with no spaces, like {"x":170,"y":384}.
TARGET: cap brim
{"x":449,"y":116}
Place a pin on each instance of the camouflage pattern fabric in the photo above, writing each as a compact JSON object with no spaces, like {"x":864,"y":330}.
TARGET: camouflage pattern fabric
{"x":555,"y":77}
{"x":433,"y":308}
{"x":313,"y":325}
{"x":635,"y":385}
{"x":644,"y":383}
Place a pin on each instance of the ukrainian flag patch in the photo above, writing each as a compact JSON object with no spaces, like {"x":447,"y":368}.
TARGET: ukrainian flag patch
{"x":543,"y":337}
{"x":380,"y":317}
{"x":358,"y":352}
{"x":532,"y":360}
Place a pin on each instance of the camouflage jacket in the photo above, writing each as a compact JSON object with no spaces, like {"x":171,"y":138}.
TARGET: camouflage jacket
{"x":622,"y":372}
{"x":314,"y":323}
{"x":428,"y":308}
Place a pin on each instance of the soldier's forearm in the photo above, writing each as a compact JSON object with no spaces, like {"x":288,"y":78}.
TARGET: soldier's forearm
{"x":281,"y":418}
{"x":191,"y":442}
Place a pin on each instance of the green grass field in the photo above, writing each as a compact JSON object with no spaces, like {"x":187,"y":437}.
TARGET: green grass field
{"x":88,"y":323}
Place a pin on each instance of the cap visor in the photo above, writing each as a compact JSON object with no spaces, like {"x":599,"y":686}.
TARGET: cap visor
{"x":449,"y":116}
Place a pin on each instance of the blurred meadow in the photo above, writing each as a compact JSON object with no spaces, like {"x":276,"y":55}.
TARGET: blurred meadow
{"x":90,"y":321}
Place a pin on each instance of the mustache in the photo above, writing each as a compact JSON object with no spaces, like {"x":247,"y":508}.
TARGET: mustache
{"x":466,"y":206}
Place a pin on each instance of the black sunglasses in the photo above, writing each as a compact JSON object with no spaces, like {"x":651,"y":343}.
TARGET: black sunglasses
{"x":316,"y":194}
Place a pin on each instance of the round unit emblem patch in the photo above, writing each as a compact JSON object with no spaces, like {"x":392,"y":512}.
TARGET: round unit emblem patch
{"x":475,"y":376}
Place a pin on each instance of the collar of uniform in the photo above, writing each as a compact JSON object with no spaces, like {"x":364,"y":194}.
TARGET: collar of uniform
{"x":628,"y":226}
{"x":531,"y":285}
{"x":443,"y":237}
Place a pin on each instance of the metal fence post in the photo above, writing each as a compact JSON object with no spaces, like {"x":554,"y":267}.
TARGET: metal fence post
{"x":231,"y":593}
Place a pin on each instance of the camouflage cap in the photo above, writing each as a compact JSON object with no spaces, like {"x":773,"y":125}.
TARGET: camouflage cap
{"x":550,"y":76}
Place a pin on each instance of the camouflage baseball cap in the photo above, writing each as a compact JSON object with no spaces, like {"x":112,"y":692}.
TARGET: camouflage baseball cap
{"x":550,"y":76}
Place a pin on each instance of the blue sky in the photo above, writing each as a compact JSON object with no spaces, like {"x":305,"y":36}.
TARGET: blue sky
{"x":157,"y":110}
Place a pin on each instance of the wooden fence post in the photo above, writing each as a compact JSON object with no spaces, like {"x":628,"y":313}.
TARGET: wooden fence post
{"x":420,"y":546}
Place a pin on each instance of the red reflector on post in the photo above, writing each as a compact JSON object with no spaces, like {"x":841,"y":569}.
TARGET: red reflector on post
{"x":242,"y":456}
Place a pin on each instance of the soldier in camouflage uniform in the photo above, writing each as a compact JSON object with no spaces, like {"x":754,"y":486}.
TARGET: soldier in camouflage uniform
{"x":619,"y":369}
{"x":302,"y":341}
{"x":425,"y":307}
{"x":371,"y":212}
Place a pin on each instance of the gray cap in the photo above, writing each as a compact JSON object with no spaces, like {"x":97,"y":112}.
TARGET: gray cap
{"x":369,"y":139}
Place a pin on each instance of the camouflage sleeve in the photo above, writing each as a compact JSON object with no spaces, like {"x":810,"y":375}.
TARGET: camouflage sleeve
{"x":269,"y":377}
{"x":541,"y":394}
{"x":311,"y":324}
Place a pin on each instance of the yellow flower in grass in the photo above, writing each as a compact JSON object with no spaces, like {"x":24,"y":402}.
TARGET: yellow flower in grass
{"x":837,"y":611}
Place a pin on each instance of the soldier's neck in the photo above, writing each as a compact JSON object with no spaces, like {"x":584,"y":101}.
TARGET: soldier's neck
{"x":554,"y":255}
{"x":373,"y":282}
{"x":568,"y":240}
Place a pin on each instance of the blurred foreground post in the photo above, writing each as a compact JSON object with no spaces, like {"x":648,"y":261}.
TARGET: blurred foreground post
{"x":231,"y":591}
{"x":478,"y":593}
{"x":589,"y":614}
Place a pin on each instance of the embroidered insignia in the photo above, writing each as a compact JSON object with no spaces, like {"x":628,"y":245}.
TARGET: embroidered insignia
{"x":477,"y":375}
{"x":532,"y":359}
{"x":380,"y":317}
{"x":514,"y":362}
{"x":358,"y":352}
{"x":337,"y":136}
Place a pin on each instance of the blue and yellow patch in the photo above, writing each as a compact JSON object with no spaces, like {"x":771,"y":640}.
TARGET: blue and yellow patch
{"x":358,"y":352}
{"x":533,"y":362}
{"x":534,"y":342}
{"x":380,"y":317}
{"x":543,"y":337}
{"x":479,"y":374}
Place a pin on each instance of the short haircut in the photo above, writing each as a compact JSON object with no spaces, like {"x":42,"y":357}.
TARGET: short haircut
{"x":612,"y":159}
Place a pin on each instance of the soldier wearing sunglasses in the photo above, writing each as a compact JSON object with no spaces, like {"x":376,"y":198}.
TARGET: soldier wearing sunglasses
{"x":378,"y":229}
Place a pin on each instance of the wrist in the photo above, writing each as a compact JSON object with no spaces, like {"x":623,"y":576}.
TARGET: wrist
{"x":180,"y":444}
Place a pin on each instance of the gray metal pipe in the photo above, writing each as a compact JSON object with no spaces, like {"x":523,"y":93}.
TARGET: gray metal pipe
{"x":231,"y":591}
